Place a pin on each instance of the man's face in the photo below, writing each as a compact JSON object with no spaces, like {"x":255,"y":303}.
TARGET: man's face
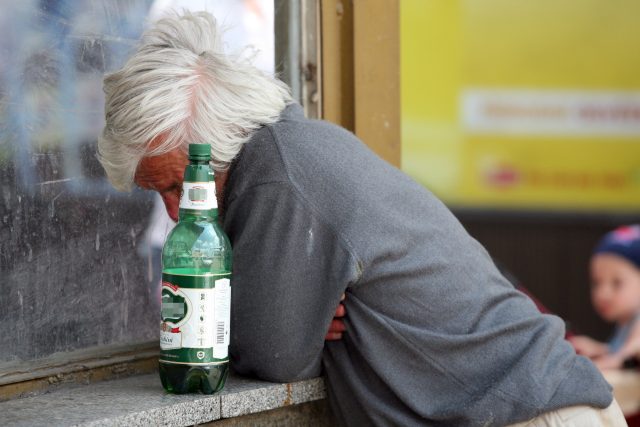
{"x":615,"y":289}
{"x":164,"y":174}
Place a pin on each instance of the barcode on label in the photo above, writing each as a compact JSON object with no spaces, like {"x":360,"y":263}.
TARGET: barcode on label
{"x":220,"y":333}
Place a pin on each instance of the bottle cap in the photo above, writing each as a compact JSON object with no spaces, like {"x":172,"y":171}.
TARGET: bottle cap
{"x":199,"y":152}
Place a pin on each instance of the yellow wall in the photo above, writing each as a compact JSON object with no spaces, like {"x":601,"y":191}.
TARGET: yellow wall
{"x":576,"y":54}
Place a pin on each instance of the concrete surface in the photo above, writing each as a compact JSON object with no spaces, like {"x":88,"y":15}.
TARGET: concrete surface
{"x":141,"y":401}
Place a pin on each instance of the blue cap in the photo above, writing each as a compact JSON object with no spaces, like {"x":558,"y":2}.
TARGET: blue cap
{"x":623,"y":241}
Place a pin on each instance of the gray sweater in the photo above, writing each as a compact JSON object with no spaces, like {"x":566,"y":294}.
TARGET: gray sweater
{"x":435,"y":335}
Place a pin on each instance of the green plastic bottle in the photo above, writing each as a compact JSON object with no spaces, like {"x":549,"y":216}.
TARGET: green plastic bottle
{"x":196,"y":287}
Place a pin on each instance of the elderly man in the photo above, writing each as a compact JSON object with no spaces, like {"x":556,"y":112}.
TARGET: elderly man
{"x":434,"y":334}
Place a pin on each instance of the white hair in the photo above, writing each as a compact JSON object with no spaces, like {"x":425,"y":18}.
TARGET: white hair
{"x":179,"y":87}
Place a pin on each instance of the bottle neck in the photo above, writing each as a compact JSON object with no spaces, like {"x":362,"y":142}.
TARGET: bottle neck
{"x":198,"y":200}
{"x":192,"y":215}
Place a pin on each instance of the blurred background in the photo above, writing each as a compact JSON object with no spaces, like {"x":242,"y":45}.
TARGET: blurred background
{"x":523,"y":105}
{"x":523,"y":117}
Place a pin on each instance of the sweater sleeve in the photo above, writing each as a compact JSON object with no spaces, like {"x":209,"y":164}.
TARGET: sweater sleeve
{"x":289,"y":271}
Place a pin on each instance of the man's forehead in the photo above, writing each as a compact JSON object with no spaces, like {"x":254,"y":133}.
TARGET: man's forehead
{"x":145,"y":173}
{"x":157,"y":172}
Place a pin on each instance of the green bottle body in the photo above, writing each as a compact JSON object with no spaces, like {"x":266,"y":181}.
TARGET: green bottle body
{"x":196,"y":291}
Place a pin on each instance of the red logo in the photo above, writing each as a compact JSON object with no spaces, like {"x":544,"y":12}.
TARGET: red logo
{"x":170,"y":285}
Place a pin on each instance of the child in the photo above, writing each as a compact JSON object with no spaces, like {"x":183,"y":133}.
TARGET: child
{"x":615,"y":293}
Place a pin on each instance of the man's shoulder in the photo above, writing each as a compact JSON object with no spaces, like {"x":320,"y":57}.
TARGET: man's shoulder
{"x":295,"y":149}
{"x":273,"y":151}
{"x":317,"y":151}
{"x":258,"y":163}
{"x":293,"y":136}
{"x":295,"y":133}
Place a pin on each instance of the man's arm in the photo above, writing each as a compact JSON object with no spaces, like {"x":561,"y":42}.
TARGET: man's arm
{"x":290,"y":270}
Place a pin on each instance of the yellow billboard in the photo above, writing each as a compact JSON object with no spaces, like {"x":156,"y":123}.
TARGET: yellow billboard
{"x":523,"y":104}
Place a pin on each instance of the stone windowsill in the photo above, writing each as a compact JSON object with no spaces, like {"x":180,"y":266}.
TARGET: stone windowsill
{"x":141,"y":401}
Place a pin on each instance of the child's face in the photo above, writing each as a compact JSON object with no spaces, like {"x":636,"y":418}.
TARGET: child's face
{"x":615,"y":289}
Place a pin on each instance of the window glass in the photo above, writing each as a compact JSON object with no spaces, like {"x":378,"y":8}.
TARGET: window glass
{"x":79,"y":262}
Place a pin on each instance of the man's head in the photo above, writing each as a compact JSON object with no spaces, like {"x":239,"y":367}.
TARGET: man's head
{"x":615,"y":275}
{"x":179,"y":87}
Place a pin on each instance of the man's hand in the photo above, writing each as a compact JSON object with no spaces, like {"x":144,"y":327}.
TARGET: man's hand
{"x":337,"y":325}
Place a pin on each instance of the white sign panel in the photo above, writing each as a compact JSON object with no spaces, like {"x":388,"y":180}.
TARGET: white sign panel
{"x":544,"y":112}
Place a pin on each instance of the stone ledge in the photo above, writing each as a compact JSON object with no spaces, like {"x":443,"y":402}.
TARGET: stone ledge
{"x":84,"y":366}
{"x":141,"y":401}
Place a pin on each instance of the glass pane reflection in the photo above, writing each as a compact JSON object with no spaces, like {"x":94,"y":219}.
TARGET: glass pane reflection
{"x":75,"y":270}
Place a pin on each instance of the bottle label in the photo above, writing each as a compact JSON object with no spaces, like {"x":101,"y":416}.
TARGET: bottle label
{"x":195,"y":316}
{"x":198,"y":195}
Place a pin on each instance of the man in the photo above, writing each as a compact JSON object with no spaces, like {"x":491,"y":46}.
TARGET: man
{"x":434,"y":334}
